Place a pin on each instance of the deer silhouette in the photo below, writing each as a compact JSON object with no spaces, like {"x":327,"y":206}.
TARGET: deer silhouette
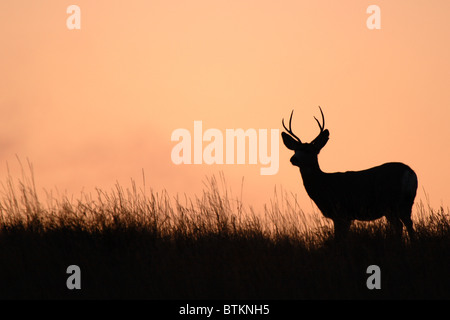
{"x":386,"y":190}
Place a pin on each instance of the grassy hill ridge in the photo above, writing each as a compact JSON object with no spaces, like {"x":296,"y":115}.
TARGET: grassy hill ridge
{"x":134,"y":244}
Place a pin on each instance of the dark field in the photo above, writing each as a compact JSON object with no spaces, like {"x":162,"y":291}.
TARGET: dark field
{"x":132,"y":244}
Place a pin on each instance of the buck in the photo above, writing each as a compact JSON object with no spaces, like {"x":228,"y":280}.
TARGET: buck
{"x":386,"y":190}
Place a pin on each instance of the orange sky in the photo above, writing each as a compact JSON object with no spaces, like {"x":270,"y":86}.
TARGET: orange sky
{"x":94,"y":106}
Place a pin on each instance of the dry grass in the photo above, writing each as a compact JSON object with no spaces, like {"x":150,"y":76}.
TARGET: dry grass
{"x":137,"y":244}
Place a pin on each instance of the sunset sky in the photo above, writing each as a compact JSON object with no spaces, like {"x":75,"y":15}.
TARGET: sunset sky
{"x":98,"y":105}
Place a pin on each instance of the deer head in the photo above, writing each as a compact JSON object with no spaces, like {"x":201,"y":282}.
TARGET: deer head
{"x":305,"y":153}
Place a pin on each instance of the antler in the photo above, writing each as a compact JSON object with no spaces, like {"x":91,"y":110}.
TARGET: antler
{"x":290,"y":130}
{"x":323,"y":121}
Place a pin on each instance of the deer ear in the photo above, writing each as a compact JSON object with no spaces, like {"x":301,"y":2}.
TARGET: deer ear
{"x":289,"y":142}
{"x":321,"y":140}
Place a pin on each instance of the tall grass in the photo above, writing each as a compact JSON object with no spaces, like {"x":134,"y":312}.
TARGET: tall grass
{"x":140,"y":243}
{"x":215,"y":212}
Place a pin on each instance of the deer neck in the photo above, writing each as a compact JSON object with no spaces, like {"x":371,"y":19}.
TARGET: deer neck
{"x":312,"y":177}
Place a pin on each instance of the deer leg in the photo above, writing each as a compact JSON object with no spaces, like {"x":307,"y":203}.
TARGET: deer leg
{"x":341,"y":227}
{"x":409,"y":226}
{"x":396,"y":227}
